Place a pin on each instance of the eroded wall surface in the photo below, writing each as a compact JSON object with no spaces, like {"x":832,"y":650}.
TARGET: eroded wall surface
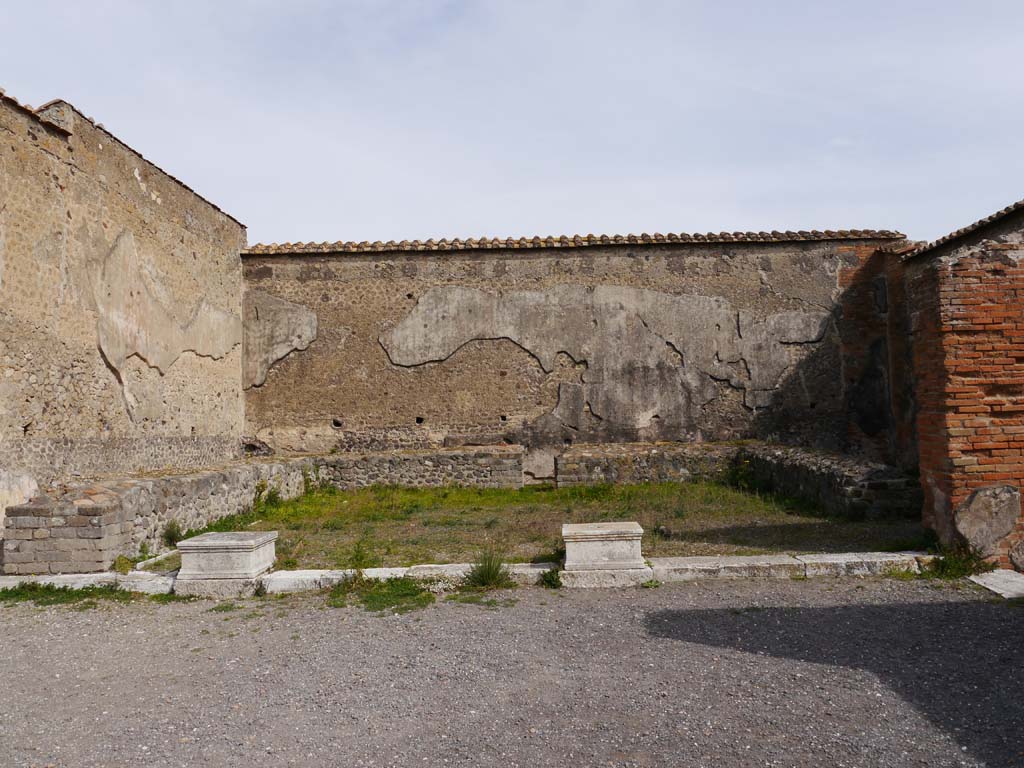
{"x":548,"y":348}
{"x":120,"y":307}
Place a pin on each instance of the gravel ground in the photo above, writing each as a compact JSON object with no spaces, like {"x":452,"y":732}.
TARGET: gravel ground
{"x":754,"y":673}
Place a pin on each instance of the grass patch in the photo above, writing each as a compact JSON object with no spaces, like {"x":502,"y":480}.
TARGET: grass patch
{"x":396,"y":595}
{"x":171,"y":562}
{"x":170,"y":597}
{"x":47,"y":594}
{"x":489,"y":572}
{"x":481,"y":599}
{"x":391,"y":526}
{"x":225,"y":607}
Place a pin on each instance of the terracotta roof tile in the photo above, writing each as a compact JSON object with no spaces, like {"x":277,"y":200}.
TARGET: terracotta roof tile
{"x":570,"y":241}
{"x":963,"y":231}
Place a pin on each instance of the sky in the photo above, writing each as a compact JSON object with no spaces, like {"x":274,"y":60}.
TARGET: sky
{"x":371,"y":120}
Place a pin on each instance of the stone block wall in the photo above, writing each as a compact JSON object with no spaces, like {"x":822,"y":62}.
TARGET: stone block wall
{"x":840,"y":484}
{"x":966,"y":297}
{"x":83,"y":528}
{"x":120,"y":307}
{"x":640,"y":463}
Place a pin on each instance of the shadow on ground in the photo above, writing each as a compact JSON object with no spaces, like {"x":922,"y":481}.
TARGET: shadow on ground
{"x":825,"y":536}
{"x":959,"y":664}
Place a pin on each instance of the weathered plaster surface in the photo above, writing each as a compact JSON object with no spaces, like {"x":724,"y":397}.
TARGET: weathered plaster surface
{"x":697,"y":341}
{"x":120,"y":308}
{"x":133,"y":320}
{"x":648,"y":356}
{"x":15,"y":488}
{"x":274,"y":328}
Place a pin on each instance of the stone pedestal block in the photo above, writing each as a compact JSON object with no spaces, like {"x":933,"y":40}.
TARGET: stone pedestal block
{"x":603,"y":546}
{"x":236,"y":555}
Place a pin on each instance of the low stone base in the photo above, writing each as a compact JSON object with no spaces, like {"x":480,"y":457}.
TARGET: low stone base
{"x":216,"y":588}
{"x":602,"y":546}
{"x":727,"y":567}
{"x":232,"y":555}
{"x":859,"y":563}
{"x":606,"y":579}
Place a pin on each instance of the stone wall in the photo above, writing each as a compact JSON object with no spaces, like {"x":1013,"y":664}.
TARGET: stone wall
{"x":839,"y":484}
{"x":120,"y":307}
{"x":639,"y":463}
{"x":83,"y":528}
{"x":966,"y":297}
{"x":392,"y":346}
{"x":845,"y":485}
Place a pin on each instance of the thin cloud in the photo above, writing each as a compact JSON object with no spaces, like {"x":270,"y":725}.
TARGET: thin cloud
{"x":390,"y":120}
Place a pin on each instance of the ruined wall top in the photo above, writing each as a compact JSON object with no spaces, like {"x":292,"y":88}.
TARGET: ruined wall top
{"x":568,"y":241}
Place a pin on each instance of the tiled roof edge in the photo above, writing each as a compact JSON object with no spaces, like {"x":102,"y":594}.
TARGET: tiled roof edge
{"x":570,"y":241}
{"x":964,"y":231}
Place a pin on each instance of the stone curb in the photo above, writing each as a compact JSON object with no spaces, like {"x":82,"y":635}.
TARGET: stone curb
{"x":664,"y":569}
{"x":280,"y":582}
{"x":785,"y":566}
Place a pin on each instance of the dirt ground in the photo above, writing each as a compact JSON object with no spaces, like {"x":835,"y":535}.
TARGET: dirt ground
{"x":851,"y":672}
{"x":389,"y":526}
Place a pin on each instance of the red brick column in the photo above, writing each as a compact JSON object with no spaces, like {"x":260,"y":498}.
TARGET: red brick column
{"x":968,"y":324}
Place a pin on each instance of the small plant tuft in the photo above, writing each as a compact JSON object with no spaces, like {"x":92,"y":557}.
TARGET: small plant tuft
{"x":173,"y":533}
{"x":551,"y":579}
{"x":651,"y":584}
{"x":489,"y":572}
{"x":123,"y":564}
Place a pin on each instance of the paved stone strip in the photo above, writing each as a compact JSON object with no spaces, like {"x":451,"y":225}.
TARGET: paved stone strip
{"x":662,"y":569}
{"x":1008,"y":584}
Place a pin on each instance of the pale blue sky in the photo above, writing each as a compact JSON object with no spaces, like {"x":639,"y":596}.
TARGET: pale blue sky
{"x":387,"y":119}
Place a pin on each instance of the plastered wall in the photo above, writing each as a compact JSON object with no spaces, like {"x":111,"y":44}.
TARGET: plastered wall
{"x":549,"y":348}
{"x":120,"y":307}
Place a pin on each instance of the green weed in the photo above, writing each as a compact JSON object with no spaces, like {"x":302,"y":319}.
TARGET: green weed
{"x":173,"y":533}
{"x":956,"y":563}
{"x":551,"y":579}
{"x":396,"y":595}
{"x":489,"y":572}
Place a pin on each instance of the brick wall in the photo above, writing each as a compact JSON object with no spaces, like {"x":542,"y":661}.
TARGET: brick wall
{"x":967,"y":309}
